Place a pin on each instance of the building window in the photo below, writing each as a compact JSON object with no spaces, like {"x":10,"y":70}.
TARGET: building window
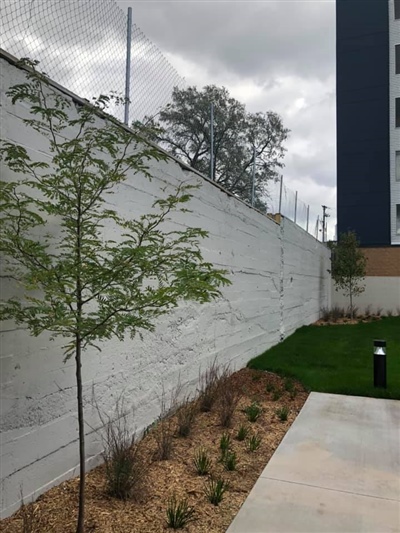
{"x":397,"y":60}
{"x":397,"y":112}
{"x":398,"y":219}
{"x":397,"y":164}
{"x":397,"y":9}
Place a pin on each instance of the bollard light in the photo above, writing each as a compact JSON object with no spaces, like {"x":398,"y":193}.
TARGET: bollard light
{"x":380,"y":363}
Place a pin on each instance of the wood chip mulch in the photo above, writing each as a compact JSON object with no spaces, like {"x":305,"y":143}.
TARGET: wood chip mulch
{"x":56,"y":510}
{"x":350,"y":321}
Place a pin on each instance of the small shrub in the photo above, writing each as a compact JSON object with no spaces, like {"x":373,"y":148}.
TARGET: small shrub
{"x":256,"y":376}
{"x":164,"y":438}
{"x":242,"y":433}
{"x":336,"y":313}
{"x":215,"y":489}
{"x":325,"y":314}
{"x":270,"y":387}
{"x":253,"y":442}
{"x":293,"y":394}
{"x":225,"y":442}
{"x":379,"y":311}
{"x":125,"y":471}
{"x":179,"y":513}
{"x":398,"y":311}
{"x":253,"y":412}
{"x":164,"y":433}
{"x":389,"y":313}
{"x":289,"y":385}
{"x":228,"y":399}
{"x":229,"y":460}
{"x":208,"y":386}
{"x":29,"y":519}
{"x":350,"y":314}
{"x":185,"y":417}
{"x":125,"y":468}
{"x":276,"y":395}
{"x":283,"y":413}
{"x":202,"y":462}
{"x":367,"y":311}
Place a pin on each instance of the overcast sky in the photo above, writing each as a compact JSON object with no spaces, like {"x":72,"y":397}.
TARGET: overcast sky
{"x":272,"y":55}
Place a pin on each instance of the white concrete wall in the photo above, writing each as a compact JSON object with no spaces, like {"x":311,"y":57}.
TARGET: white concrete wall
{"x":279,"y":282}
{"x":380,"y":292}
{"x":394,"y":92}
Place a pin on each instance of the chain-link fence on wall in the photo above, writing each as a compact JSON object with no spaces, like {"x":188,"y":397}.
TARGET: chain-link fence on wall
{"x":82,"y":45}
{"x":283,"y":200}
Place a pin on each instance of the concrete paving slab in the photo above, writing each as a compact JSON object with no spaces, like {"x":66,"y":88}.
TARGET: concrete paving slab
{"x":344,"y":443}
{"x":336,"y":470}
{"x":279,"y":506}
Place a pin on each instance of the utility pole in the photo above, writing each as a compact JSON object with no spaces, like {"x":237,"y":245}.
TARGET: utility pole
{"x":324,"y":222}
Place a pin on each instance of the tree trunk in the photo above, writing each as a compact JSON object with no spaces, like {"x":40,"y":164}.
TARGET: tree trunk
{"x":81,"y":512}
{"x":80,"y":528}
{"x":351,"y":303}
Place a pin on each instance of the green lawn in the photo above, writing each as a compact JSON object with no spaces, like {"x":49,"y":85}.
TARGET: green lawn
{"x":337,"y":359}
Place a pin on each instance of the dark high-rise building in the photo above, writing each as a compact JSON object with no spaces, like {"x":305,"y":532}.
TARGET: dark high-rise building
{"x":368,"y":121}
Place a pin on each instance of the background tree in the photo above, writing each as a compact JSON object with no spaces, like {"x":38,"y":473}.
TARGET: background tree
{"x":185,"y":132}
{"x":348,"y":267}
{"x":78,"y":283}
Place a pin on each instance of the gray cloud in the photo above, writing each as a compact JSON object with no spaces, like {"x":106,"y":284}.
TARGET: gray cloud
{"x":256,"y":39}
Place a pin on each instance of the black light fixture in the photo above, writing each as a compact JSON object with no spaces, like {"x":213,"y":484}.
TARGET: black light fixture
{"x":380,"y":363}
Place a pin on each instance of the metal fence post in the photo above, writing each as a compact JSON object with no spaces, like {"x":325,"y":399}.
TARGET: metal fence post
{"x":253,"y":184}
{"x":280,"y":195}
{"x":295,"y":208}
{"x":212,"y":142}
{"x":128,"y":65}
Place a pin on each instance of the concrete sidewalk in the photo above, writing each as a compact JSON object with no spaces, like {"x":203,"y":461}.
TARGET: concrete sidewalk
{"x":336,"y":471}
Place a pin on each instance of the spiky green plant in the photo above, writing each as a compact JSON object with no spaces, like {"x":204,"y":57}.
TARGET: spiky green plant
{"x":225,"y":442}
{"x":215,"y":489}
{"x":242,"y":433}
{"x":202,"y":462}
{"x":283,"y":413}
{"x":253,"y":442}
{"x":253,"y":411}
{"x":179,"y":513}
{"x":229,"y":460}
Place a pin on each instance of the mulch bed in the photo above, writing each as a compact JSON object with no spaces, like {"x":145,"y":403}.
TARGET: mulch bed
{"x":345,"y":320}
{"x":56,"y":510}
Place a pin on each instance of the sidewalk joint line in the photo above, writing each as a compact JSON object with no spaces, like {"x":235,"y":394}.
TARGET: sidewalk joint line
{"x":331,"y":489}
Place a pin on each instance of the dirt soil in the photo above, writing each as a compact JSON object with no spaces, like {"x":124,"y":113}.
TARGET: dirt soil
{"x":56,"y":510}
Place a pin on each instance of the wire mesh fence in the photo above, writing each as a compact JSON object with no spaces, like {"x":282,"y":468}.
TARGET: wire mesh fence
{"x":281,"y":199}
{"x":82,"y":45}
